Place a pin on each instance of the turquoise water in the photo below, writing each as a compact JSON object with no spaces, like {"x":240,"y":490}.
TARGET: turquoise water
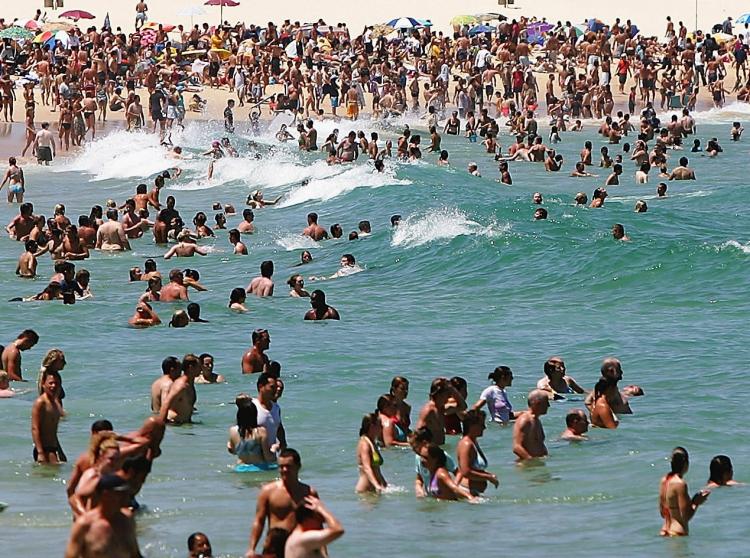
{"x":468,"y":282}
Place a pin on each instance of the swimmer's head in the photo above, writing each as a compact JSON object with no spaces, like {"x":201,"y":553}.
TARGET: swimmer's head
{"x":577,"y":421}
{"x":720,"y":470}
{"x":538,"y":402}
{"x":215,"y":144}
{"x":581,"y":198}
{"x":540,"y":214}
{"x":395,"y":220}
{"x":679,"y":461}
{"x":640,"y":206}
{"x":306,"y":256}
{"x":179,"y":319}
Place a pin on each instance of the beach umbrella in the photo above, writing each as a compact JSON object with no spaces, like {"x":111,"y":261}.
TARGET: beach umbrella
{"x":424,"y":22}
{"x":16,"y":33}
{"x":479,"y":29}
{"x":222,"y":3}
{"x":57,"y":26}
{"x":464,"y":20}
{"x":191,"y":12}
{"x":155,"y":26}
{"x":491,"y":16}
{"x":75,"y":15}
{"x":744,"y":18}
{"x":31,"y":24}
{"x":404,"y":23}
{"x":44,"y":37}
{"x":63,"y":37}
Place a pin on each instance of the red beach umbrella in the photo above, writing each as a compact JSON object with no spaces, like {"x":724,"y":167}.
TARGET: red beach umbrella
{"x":222,"y":3}
{"x":75,"y":15}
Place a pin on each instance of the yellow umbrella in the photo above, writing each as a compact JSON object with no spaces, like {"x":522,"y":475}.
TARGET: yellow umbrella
{"x":464,"y":20}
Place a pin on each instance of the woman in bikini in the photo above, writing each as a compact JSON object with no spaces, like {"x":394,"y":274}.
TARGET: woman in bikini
{"x":369,"y":458}
{"x":16,"y":183}
{"x":675,"y":504}
{"x":66,"y":123}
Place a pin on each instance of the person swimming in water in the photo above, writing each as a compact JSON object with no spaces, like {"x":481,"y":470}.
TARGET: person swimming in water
{"x":721,"y":473}
{"x":675,"y":504}
{"x":369,"y":458}
{"x":472,"y":463}
{"x":555,"y":381}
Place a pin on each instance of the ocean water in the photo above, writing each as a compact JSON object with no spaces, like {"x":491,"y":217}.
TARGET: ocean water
{"x":467,"y":282}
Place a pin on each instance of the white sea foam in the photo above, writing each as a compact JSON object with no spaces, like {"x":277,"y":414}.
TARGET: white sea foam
{"x":744,"y":248}
{"x":327,"y":182}
{"x":728,"y":113}
{"x":296,"y":242}
{"x":440,"y":224}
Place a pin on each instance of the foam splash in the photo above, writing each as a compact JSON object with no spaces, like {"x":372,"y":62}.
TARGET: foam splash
{"x":730,"y":112}
{"x":296,"y":242}
{"x":744,"y":248}
{"x":440,"y":224}
{"x":343,"y":179}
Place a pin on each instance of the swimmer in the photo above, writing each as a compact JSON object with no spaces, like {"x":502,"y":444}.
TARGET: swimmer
{"x":248,"y":440}
{"x":283,"y":135}
{"x":682,"y":172}
{"x":581,"y":172}
{"x":313,"y":230}
{"x":231,"y":151}
{"x":601,"y":413}
{"x":10,"y":358}
{"x":581,"y":199}
{"x":661,"y":190}
{"x":473,"y":170}
{"x":5,"y":389}
{"x":185,"y":247}
{"x":528,"y":432}
{"x":110,"y":236}
{"x":199,"y":546}
{"x":471,"y":459}
{"x":441,"y":485}
{"x":369,"y":458}
{"x":365,"y":229}
{"x":536,"y":198}
{"x":194,"y":312}
{"x":495,"y":396}
{"x":16,"y":182}
{"x":215,"y":153}
{"x":320,"y":309}
{"x":179,"y":319}
{"x":392,"y":433}
{"x":255,"y":200}
{"x":640,"y":207}
{"x":555,"y":382}
{"x":611,"y":370}
{"x":721,"y":473}
{"x":239,"y":247}
{"x":27,"y":262}
{"x":713,"y":148}
{"x":576,"y":426}
{"x":540,"y":214}
{"x":45,"y":418}
{"x":598,"y":197}
{"x":432,"y":414}
{"x":179,"y":404}
{"x":305,"y":258}
{"x":256,"y":360}
{"x":171,"y":368}
{"x":316,"y":528}
{"x":618,"y":233}
{"x":237,"y":300}
{"x":144,"y":316}
{"x":736,"y":131}
{"x":247,"y":226}
{"x":262,"y":286}
{"x":675,"y":504}
{"x":297,"y":284}
{"x":207,"y":375}
{"x":336,"y":231}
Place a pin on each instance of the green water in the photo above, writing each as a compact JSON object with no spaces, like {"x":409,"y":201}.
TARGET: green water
{"x":469,"y":282}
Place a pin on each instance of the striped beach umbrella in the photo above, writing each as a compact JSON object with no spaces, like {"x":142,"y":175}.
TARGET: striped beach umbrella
{"x":404,"y":23}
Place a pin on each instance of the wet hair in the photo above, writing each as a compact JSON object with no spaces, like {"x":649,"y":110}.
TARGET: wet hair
{"x":353,"y":235}
{"x":237,"y":295}
{"x":266,"y":268}
{"x":436,"y":453}
{"x":618,"y":230}
{"x":247,"y":419}
{"x":257,"y":333}
{"x":274,"y":369}
{"x":168,"y":363}
{"x":294,"y":454}
{"x":499,"y":372}
{"x":572,"y":417}
{"x":679,"y":460}
{"x":458,"y":382}
{"x":192,"y":539}
{"x":368,"y":421}
{"x":101,"y":426}
{"x":29,"y":334}
{"x":719,"y":467}
{"x":248,"y":214}
{"x":312,"y":217}
{"x":601,"y":387}
{"x":364,"y":226}
{"x":293,"y":280}
{"x":349,"y":259}
{"x":263,"y":379}
{"x":141,"y":189}
{"x":438,"y":386}
{"x":395,"y":220}
{"x":336,"y":231}
{"x":472,"y":418}
{"x":398,"y":381}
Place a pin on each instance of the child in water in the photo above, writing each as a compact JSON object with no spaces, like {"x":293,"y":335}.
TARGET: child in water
{"x":737,"y":130}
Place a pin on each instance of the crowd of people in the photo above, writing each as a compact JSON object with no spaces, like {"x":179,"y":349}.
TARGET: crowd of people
{"x":102,"y":71}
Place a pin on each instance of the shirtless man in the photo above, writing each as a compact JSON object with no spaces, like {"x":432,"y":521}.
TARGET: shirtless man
{"x":256,"y":360}
{"x":185,"y":247}
{"x":262,"y":286}
{"x":26,"y":267}
{"x":277,"y":500}
{"x":239,"y":247}
{"x":528,"y":433}
{"x":170,"y":367}
{"x":45,"y":417}
{"x":175,"y":289}
{"x":247,"y":226}
{"x":611,"y":370}
{"x":144,"y":316}
{"x":320,"y":309}
{"x":683,"y":172}
{"x":107,"y":531}
{"x":555,"y":382}
{"x":44,"y":145}
{"x":111,"y":234}
{"x":23,"y":223}
{"x":432,"y":414}
{"x":10,"y":360}
{"x":577,"y":424}
{"x":313,"y":230}
{"x":179,"y":404}
{"x":316,"y":528}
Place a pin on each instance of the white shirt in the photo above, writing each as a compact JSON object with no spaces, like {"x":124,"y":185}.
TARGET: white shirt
{"x":269,"y":419}
{"x":497,"y":403}
{"x":481,"y":58}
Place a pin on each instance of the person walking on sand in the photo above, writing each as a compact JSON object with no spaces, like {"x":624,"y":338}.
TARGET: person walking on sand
{"x":44,"y":145}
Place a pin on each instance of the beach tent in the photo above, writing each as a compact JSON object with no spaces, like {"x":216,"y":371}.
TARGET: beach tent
{"x":479,"y":29}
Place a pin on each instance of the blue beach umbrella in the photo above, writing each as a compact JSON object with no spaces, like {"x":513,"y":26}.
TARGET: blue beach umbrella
{"x":404,"y":23}
{"x":744,"y":18}
{"x":479,"y":29}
